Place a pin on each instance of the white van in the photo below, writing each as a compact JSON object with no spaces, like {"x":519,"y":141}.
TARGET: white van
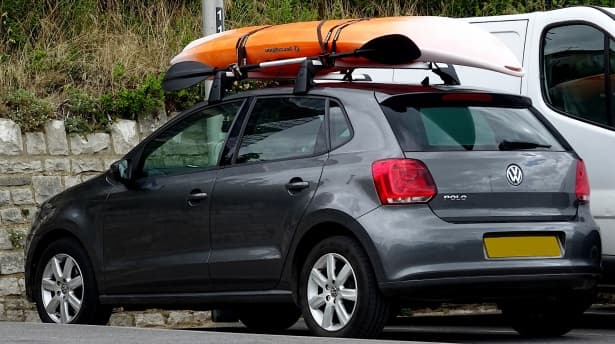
{"x":569,"y":59}
{"x":564,"y":54}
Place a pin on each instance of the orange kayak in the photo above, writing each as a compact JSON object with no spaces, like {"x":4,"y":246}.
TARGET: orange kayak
{"x":393,"y":41}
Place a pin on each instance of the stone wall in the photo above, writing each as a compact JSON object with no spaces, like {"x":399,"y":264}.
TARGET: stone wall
{"x":36,"y":166}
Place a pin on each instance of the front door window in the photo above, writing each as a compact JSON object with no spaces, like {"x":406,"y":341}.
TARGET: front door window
{"x":193,"y":144}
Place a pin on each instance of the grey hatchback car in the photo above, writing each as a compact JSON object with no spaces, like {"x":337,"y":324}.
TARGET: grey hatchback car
{"x":341,"y":204}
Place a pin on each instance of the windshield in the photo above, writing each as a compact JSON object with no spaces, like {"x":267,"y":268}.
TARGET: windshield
{"x":463,"y":128}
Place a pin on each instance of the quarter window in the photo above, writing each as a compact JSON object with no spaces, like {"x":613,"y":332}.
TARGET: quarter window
{"x":283,"y":128}
{"x":192,"y":144}
{"x":575,"y":72}
{"x":339,"y":128}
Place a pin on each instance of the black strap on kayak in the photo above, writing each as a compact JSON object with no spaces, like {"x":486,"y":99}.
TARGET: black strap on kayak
{"x":324,"y":43}
{"x":323,"y":47}
{"x":339,"y":31}
{"x":242,"y":57}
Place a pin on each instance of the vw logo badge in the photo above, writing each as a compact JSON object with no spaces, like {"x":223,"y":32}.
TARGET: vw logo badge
{"x":514,"y":174}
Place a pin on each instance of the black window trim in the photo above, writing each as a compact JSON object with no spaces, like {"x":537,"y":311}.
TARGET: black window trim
{"x":247,"y":119}
{"x":137,"y":169}
{"x":238,"y":126}
{"x":610,"y":105}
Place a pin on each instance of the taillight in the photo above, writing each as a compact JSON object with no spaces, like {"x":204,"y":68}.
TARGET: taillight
{"x":402,"y":181}
{"x":582,"y":183}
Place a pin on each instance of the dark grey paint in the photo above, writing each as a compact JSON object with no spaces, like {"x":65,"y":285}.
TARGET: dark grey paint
{"x":547,"y":191}
{"x":418,"y":245}
{"x":245,"y":239}
{"x":253,"y":218}
{"x":145,"y":248}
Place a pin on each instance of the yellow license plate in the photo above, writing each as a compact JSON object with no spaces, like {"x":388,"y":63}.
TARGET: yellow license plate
{"x":522,"y":246}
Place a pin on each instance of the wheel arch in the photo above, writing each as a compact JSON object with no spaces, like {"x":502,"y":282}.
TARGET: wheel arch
{"x":319,"y":226}
{"x":58,"y":233}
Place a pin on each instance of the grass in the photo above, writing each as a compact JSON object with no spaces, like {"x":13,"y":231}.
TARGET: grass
{"x":114,"y":50}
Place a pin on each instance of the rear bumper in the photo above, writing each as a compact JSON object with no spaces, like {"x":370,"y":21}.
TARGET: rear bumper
{"x":490,"y":288}
{"x":424,"y":256}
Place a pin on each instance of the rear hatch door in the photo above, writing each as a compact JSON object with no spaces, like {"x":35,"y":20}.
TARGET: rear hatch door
{"x":492,"y":158}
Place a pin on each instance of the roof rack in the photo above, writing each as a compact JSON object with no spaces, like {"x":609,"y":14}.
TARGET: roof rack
{"x":344,"y":75}
{"x":188,"y":73}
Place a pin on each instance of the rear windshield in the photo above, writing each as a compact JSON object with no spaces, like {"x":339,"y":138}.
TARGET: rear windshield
{"x":479,"y":128}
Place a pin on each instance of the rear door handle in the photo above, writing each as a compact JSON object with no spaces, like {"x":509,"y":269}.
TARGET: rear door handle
{"x":196,"y":196}
{"x":297,"y":185}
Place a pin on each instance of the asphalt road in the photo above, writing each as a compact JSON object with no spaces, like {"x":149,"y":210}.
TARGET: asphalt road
{"x":596,"y":327}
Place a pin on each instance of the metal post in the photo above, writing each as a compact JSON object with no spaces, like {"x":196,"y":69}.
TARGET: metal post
{"x":213,"y":22}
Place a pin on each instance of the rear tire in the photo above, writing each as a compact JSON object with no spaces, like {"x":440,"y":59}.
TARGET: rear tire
{"x":338,"y":292}
{"x":547,"y":317}
{"x":65,"y":289}
{"x":275,"y":317}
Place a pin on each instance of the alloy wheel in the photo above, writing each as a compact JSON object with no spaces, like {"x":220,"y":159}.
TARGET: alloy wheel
{"x":62,"y":288}
{"x":332,"y":292}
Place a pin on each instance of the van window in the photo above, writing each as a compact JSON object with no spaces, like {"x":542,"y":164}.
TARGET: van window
{"x":575,"y":72}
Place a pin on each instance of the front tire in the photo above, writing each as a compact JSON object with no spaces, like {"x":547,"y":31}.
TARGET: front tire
{"x":65,"y":288}
{"x":338,"y":292}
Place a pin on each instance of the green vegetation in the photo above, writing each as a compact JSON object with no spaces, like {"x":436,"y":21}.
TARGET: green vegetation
{"x":83,"y":113}
{"x":90,"y":61}
{"x":17,"y":237}
{"x":26,"y":109}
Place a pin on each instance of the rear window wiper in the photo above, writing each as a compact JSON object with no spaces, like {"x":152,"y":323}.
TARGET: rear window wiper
{"x":511,"y":145}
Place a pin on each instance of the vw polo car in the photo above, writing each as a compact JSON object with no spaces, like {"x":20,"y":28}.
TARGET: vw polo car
{"x":339,"y":205}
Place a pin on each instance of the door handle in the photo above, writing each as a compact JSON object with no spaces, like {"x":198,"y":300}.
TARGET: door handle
{"x":297,"y":185}
{"x":196,"y":196}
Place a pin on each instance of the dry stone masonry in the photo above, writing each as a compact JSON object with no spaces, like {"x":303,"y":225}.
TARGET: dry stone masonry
{"x":36,"y":166}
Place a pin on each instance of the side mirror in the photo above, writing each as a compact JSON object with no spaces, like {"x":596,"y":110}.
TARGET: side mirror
{"x":120,"y":170}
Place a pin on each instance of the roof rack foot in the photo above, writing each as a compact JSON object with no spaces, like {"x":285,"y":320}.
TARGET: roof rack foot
{"x":218,"y":87}
{"x":305,"y":77}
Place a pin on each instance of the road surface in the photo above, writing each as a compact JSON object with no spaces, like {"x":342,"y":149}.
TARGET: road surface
{"x":596,"y":327}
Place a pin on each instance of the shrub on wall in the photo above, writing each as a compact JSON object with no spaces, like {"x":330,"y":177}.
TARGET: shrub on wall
{"x":83,"y":113}
{"x":146,"y":99}
{"x":27,"y":110}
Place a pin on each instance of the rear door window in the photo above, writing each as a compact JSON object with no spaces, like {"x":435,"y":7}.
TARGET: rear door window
{"x":284,"y":128}
{"x":486,"y":128}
